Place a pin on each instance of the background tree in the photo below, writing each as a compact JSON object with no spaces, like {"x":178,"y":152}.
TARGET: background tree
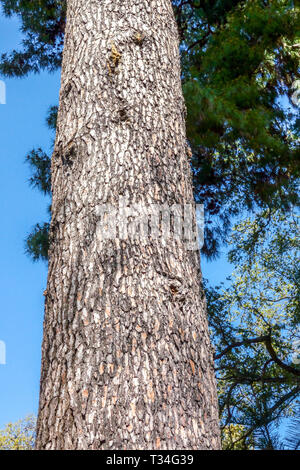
{"x":240,"y":66}
{"x":255,"y":326}
{"x":19,"y":435}
{"x":240,"y":58}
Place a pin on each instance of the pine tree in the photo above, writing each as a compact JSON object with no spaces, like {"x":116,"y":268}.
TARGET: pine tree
{"x":240,"y":69}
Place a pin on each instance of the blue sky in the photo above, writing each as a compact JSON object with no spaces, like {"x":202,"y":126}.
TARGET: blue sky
{"x":22,"y":128}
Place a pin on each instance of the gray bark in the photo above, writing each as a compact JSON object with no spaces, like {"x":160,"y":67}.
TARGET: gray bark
{"x":126,"y":356}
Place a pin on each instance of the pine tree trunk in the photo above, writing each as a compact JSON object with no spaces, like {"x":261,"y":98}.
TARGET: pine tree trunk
{"x":126,"y":358}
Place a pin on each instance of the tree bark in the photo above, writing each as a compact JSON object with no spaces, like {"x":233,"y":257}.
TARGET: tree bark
{"x":126,"y":356}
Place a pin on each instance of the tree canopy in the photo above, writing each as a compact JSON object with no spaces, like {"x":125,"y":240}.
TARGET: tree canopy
{"x":19,"y":435}
{"x":255,"y":328}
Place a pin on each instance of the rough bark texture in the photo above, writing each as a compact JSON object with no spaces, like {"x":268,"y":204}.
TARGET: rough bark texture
{"x":127,"y":361}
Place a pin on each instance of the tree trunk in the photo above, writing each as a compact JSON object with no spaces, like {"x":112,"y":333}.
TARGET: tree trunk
{"x":126,"y":358}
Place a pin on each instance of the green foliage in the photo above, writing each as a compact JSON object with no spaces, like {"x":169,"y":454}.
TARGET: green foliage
{"x":19,"y":435}
{"x":266,"y":252}
{"x":40,"y":163}
{"x":254,"y":323}
{"x":52,"y":117}
{"x":293,"y":435}
{"x":240,"y":58}
{"x":238,"y":64}
{"x":43,"y":24}
{"x":232,"y":438}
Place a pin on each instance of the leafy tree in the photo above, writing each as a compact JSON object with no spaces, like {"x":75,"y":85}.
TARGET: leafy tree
{"x":19,"y":435}
{"x":37,"y":243}
{"x":255,"y":323}
{"x":240,"y":58}
{"x":292,"y":439}
{"x":43,"y":25}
